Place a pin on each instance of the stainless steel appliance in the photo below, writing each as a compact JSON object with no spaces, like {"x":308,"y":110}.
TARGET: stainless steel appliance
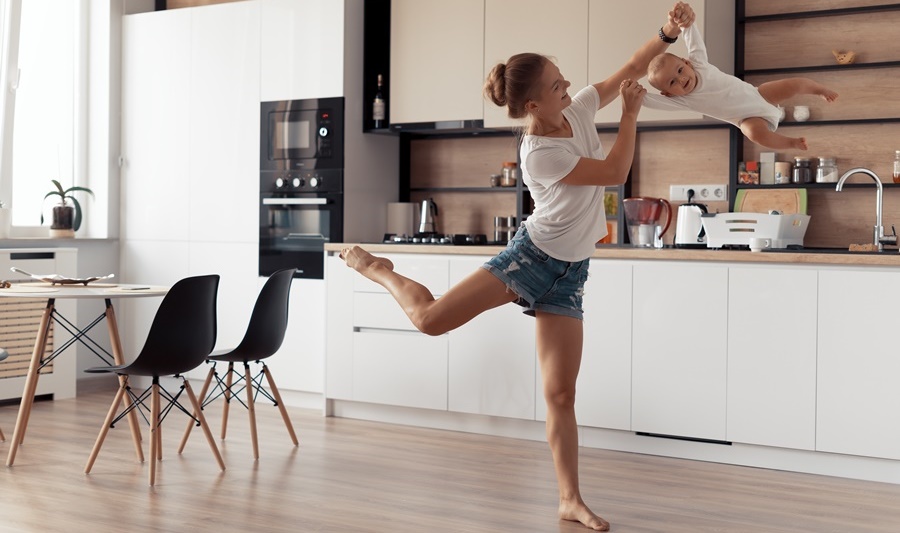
{"x":427,"y":217}
{"x":301,"y":184}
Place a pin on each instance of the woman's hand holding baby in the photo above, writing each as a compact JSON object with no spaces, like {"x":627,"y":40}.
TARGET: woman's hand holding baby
{"x":632,"y":97}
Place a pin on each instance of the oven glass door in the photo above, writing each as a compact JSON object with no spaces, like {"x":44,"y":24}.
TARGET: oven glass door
{"x":293,"y":232}
{"x":293,"y":135}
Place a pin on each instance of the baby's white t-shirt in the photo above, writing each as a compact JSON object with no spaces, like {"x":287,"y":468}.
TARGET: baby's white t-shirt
{"x":568,"y":220}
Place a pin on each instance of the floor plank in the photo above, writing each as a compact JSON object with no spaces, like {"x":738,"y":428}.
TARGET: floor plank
{"x":350,"y":475}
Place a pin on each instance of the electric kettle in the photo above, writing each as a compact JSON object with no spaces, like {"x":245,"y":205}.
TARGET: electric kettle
{"x":689,"y":230}
{"x":427,"y":216}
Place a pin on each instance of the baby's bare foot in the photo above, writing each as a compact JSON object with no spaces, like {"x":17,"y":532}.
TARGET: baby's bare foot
{"x":361,"y":260}
{"x":829,"y":95}
{"x":579,"y":512}
{"x":799,"y":143}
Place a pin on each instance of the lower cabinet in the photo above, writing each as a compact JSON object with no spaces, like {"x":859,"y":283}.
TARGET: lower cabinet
{"x":772,"y":356}
{"x":858,"y":397}
{"x":492,"y":358}
{"x":604,"y":381}
{"x":679,"y":349}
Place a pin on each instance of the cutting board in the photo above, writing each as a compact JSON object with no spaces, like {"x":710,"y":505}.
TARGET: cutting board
{"x":786,"y":201}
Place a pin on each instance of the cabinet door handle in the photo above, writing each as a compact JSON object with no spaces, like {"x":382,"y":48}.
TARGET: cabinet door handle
{"x":294,"y":201}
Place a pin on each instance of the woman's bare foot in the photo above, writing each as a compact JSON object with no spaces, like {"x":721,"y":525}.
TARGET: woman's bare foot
{"x":579,"y":512}
{"x":828,"y":95}
{"x":361,"y":260}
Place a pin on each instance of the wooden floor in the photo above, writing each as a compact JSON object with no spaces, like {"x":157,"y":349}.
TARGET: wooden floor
{"x":350,"y":475}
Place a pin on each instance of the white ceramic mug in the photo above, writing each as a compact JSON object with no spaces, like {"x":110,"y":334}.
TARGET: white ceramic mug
{"x":758,"y":244}
{"x":801,"y":113}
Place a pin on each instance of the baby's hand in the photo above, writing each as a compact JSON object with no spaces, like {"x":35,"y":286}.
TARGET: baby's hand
{"x":632,"y":96}
{"x":682,"y":15}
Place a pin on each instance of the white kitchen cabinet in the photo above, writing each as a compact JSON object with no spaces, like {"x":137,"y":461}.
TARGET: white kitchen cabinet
{"x":224,"y":123}
{"x":492,"y":358}
{"x":680,"y":324}
{"x":302,"y":52}
{"x":772,"y":356}
{"x":516,"y":26}
{"x":604,"y":382}
{"x":338,"y":328}
{"x":428,"y":270}
{"x":156,"y":74}
{"x":437,"y":53}
{"x":299,"y":364}
{"x":858,"y":399}
{"x":617,"y":29}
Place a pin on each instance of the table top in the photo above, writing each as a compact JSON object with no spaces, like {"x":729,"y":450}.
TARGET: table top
{"x":92,"y":290}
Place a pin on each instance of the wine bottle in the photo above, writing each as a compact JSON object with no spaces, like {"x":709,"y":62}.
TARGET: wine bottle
{"x":378,"y":107}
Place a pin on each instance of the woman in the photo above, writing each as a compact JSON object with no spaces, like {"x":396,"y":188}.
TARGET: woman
{"x":544,"y":267}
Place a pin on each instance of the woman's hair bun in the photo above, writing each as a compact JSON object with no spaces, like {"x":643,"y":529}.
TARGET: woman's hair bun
{"x":495,"y":86}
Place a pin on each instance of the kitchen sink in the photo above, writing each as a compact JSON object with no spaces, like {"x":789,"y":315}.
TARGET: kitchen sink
{"x":793,"y":249}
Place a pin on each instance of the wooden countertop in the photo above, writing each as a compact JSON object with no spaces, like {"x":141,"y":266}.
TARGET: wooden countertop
{"x":891,"y":258}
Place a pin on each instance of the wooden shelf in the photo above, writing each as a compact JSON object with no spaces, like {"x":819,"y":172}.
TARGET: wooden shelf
{"x":819,"y":68}
{"x":820,"y":13}
{"x":463,"y":189}
{"x":871,"y":184}
{"x":845,"y":122}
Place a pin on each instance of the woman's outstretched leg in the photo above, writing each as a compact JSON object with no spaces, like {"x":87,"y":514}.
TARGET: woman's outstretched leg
{"x":477,"y":293}
{"x":559,"y":343}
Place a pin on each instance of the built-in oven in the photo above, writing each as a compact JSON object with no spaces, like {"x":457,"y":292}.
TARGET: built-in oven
{"x":301,"y":184}
{"x":298,"y":213}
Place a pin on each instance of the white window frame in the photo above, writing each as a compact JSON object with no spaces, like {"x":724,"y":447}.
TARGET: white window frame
{"x":10,"y":17}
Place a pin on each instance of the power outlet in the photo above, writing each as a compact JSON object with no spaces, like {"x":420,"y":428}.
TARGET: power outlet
{"x":706,"y":192}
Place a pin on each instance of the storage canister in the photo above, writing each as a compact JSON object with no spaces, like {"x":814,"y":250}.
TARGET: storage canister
{"x":508,"y":175}
{"x":802,"y":173}
{"x":827,"y":171}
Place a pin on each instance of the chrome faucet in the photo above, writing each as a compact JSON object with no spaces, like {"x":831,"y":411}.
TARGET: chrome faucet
{"x":879,"y":238}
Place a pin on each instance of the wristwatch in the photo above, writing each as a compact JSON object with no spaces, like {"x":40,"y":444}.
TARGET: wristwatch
{"x":665,"y":38}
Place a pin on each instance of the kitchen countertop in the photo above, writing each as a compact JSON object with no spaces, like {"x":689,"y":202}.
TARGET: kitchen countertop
{"x":890,"y":258}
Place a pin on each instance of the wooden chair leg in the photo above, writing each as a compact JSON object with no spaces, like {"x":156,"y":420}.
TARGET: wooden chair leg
{"x":281,"y":407}
{"x":227,"y":399}
{"x":2,"y":436}
{"x":204,"y":425}
{"x":116,"y":343}
{"x":154,"y":426}
{"x":105,"y":429}
{"x":190,"y":424}
{"x":251,"y":410}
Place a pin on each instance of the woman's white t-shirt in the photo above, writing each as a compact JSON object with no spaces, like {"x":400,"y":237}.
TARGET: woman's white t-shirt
{"x":568,"y":220}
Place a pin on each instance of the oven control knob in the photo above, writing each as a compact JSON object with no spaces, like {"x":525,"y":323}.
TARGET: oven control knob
{"x":323,"y":132}
{"x":315,"y":182}
{"x":279,"y":183}
{"x":297,"y":183}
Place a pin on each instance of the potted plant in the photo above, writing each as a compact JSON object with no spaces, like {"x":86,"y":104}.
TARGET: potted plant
{"x":66,"y":217}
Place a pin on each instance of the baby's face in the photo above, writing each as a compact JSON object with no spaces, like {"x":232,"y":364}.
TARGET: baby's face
{"x":676,"y":77}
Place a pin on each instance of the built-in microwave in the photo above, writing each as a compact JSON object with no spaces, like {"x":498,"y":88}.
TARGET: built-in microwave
{"x":302,"y":134}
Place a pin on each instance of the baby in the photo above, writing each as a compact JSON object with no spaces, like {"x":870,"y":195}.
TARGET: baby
{"x":696,"y":85}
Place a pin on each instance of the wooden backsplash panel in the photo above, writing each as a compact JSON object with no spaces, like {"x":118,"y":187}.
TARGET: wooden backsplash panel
{"x":808,"y":42}
{"x":841,"y":218}
{"x":870,"y":94}
{"x":854,"y":145}
{"x":460,"y":212}
{"x":459,"y":162}
{"x":772,"y":7}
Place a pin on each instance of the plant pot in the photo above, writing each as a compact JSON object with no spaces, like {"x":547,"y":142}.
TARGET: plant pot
{"x":63,"y":221}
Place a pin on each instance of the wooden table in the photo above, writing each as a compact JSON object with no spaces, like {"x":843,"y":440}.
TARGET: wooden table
{"x":107,"y":292}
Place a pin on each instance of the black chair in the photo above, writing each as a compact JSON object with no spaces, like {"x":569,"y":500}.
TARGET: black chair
{"x":263,"y":338}
{"x":181,"y":337}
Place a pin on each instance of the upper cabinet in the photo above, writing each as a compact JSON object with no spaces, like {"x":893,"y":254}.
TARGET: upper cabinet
{"x":441,"y":52}
{"x":290,"y":31}
{"x":516,"y":26}
{"x":437,"y":53}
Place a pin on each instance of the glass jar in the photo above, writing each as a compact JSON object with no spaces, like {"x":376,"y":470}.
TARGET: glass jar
{"x":802,"y":173}
{"x":827,"y":171}
{"x":508,"y":175}
{"x":897,"y":166}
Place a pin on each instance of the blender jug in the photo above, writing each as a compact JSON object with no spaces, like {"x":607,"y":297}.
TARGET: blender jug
{"x":647,"y":220}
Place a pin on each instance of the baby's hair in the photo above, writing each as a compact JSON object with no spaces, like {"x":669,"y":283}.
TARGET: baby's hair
{"x":656,"y":64}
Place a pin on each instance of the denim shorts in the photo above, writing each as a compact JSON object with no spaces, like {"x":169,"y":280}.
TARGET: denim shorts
{"x":541,"y":282}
